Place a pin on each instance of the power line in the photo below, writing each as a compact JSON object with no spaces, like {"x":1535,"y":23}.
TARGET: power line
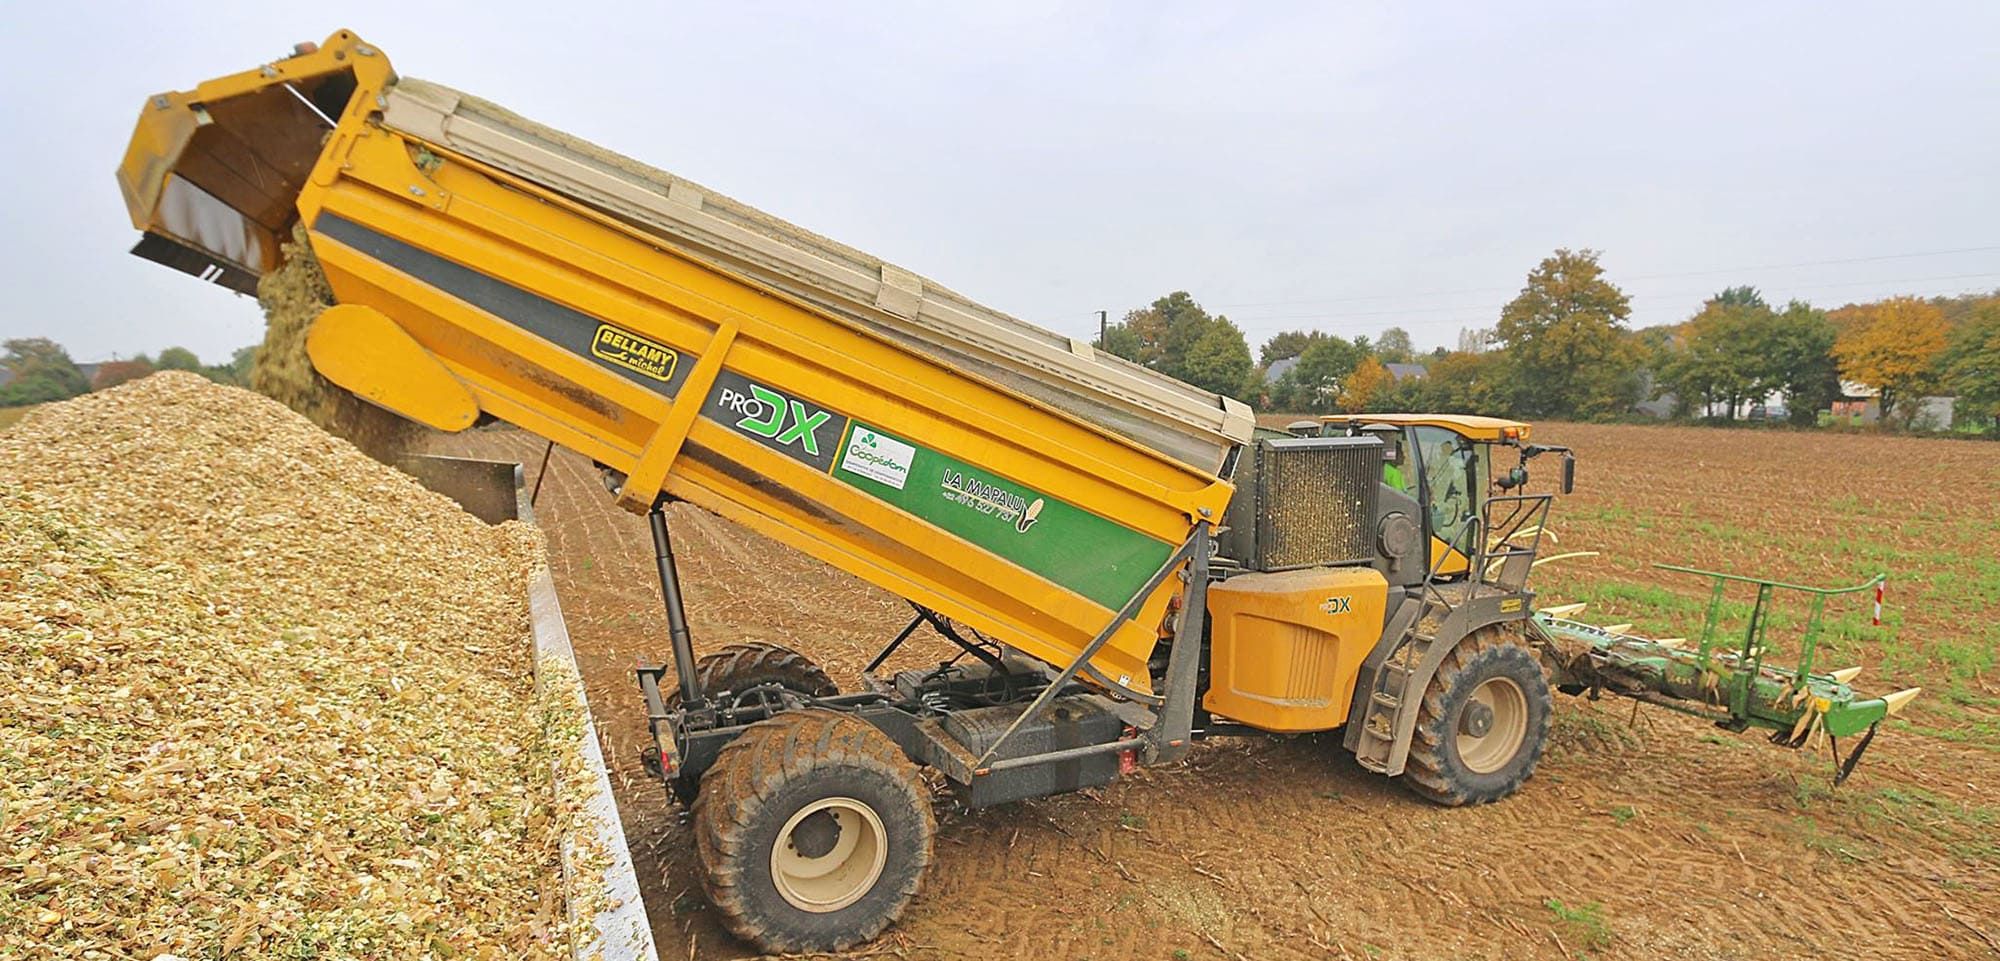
{"x":1649,"y":295}
{"x":1487,"y":319}
{"x":1690,"y":273}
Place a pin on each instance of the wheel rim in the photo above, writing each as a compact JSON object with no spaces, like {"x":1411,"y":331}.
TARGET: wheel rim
{"x":829,"y":854}
{"x":1507,"y":706}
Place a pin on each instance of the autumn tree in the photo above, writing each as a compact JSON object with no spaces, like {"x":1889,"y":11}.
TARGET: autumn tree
{"x":1368,"y":380}
{"x":1176,"y":337}
{"x":1570,"y":351}
{"x":41,"y":371}
{"x":111,"y":373}
{"x":1892,"y":346}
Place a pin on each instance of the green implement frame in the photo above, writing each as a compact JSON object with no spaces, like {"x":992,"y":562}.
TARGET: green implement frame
{"x":1726,"y":678}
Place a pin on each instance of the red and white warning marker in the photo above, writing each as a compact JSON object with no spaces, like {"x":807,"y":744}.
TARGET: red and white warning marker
{"x":1878,"y":602}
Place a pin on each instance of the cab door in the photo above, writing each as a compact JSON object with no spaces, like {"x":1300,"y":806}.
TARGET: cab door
{"x":1447,"y":471}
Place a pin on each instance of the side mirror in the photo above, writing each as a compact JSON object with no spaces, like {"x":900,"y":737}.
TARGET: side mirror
{"x":1569,"y":473}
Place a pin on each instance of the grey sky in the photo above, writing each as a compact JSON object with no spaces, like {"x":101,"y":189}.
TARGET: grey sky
{"x":1346,"y":167}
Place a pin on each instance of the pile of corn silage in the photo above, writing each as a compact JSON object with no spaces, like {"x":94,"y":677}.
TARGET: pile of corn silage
{"x":264,"y":697}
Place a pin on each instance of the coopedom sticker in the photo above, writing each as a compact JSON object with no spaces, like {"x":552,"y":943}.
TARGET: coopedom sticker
{"x":878,"y":457}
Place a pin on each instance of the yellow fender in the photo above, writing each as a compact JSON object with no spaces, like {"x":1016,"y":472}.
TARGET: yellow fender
{"x":361,"y":349}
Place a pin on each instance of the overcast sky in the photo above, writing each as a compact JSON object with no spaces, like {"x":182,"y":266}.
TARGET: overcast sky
{"x":1345,"y":167}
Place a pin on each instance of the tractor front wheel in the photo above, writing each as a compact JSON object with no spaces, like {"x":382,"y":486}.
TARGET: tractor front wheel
{"x":814,"y":832}
{"x":1483,"y":723}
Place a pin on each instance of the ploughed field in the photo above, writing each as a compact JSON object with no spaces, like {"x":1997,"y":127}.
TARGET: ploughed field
{"x":1644,"y":834}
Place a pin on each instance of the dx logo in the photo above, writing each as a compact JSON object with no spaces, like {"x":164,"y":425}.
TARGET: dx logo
{"x":1338,"y":605}
{"x":767,"y":413}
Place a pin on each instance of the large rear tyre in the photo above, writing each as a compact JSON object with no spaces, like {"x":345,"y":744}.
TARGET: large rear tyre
{"x":814,"y":832}
{"x":739,"y":667}
{"x":1483,"y":724}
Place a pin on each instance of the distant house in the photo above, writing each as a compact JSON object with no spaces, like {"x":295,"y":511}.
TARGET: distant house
{"x":1769,"y":407}
{"x":1396,"y":371}
{"x":1278,"y":368}
{"x":1858,"y":401}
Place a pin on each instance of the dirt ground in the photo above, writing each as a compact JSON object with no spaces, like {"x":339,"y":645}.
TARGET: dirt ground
{"x":1643,"y":835}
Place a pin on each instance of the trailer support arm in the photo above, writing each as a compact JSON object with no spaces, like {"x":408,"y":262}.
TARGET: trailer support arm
{"x":670,"y":593}
{"x":1188,"y":548}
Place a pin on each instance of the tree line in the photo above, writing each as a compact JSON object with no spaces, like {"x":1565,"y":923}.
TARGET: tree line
{"x":1564,"y":348}
{"x":42,"y":371}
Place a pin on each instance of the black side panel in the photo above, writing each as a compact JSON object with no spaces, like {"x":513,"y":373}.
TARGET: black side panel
{"x":190,"y":260}
{"x":633,"y":356}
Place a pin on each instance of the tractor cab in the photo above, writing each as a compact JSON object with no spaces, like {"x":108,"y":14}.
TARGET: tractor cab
{"x":1444,"y":465}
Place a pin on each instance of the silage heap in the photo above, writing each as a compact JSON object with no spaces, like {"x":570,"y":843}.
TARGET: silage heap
{"x":292,"y":297}
{"x":264,"y":695}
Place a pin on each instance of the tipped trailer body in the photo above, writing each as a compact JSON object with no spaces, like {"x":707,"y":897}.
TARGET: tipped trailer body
{"x":1123,"y":563}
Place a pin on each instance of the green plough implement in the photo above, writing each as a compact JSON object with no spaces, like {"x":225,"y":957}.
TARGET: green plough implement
{"x":1725,"y":678}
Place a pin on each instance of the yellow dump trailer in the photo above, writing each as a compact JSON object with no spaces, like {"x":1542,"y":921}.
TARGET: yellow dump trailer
{"x":1072,"y":522}
{"x":467,"y":289}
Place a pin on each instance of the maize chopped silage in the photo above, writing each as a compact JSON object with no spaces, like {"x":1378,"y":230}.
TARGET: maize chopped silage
{"x":265,"y":697}
{"x":293,"y":295}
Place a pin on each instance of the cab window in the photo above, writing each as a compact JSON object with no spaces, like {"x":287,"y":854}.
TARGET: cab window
{"x":1448,"y":465}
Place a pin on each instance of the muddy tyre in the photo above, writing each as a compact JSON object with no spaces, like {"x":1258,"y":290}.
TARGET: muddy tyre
{"x":1483,"y":723}
{"x":813,"y":831}
{"x":739,"y":667}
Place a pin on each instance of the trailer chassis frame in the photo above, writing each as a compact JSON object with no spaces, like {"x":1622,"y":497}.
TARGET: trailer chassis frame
{"x":1159,"y":728}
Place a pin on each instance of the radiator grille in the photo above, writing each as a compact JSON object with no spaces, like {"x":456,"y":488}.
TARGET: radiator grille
{"x":1316,"y":501}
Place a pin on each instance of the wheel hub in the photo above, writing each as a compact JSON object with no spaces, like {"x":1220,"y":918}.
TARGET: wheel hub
{"x":816,"y":836}
{"x":1476,"y":721}
{"x":1492,"y":725}
{"x":829,"y":855}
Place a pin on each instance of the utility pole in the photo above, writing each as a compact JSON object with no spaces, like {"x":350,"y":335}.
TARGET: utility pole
{"x":1103,"y":328}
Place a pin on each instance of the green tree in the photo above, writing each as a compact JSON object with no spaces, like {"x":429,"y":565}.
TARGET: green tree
{"x":42,"y":372}
{"x":240,"y":363}
{"x":1972,"y":367}
{"x":1313,"y":384}
{"x":1714,"y":359}
{"x":1797,"y":348}
{"x":1290,"y":343}
{"x":178,"y":358}
{"x":1219,"y":360}
{"x":1120,"y":340}
{"x":1394,"y":347}
{"x":1570,"y":352}
{"x":1467,"y":382}
{"x":1743,"y":296}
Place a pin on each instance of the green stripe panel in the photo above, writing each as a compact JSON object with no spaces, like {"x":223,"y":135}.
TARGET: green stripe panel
{"x":1100,"y":559}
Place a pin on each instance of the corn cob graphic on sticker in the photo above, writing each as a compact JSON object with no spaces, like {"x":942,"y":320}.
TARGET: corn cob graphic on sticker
{"x":1028,"y":516}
